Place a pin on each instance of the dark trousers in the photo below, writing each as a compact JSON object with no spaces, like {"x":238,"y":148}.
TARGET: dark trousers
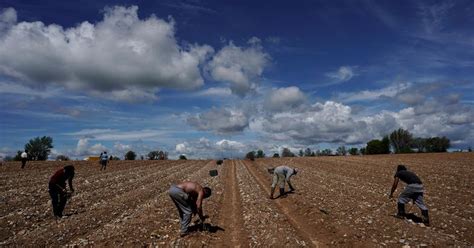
{"x":103,"y":164}
{"x":23,"y":162}
{"x":58,"y":199}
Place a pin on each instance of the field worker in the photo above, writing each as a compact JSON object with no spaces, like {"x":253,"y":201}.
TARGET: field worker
{"x":413,"y":191}
{"x":188,"y":196}
{"x":24,"y":158}
{"x":282,"y":174}
{"x":103,"y":160}
{"x":57,"y":189}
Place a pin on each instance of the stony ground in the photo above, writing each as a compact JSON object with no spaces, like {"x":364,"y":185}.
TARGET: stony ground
{"x":339,"y":201}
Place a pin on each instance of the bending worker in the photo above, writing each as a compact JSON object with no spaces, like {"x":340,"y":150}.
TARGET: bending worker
{"x":57,"y":189}
{"x":413,"y":191}
{"x":282,"y":174}
{"x":188,"y":196}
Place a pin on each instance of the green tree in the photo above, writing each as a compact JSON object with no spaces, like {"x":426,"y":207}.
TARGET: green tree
{"x":130,"y":155}
{"x":307,"y":152}
{"x":341,"y":151}
{"x":437,"y":144}
{"x":260,"y":154}
{"x":401,"y":141}
{"x":354,"y":151}
{"x":276,"y":155}
{"x":250,"y":155}
{"x":326,"y":152}
{"x":286,"y":153}
{"x":62,"y":158}
{"x":376,"y":146}
{"x":301,"y":153}
{"x":17,"y":156}
{"x":363,"y":150}
{"x":419,"y":144}
{"x":39,"y":148}
{"x":182,"y":157}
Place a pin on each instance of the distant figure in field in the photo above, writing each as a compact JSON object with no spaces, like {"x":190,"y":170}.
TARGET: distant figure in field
{"x":24,"y":158}
{"x":103,"y":160}
{"x":188,"y":196}
{"x":58,"y":191}
{"x":412,"y":192}
{"x":282,"y":174}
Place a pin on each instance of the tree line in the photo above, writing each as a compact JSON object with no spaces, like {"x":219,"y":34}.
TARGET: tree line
{"x":399,"y":141}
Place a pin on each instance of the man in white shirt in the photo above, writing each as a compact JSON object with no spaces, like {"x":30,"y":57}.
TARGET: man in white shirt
{"x":282,"y":174}
{"x":24,"y":158}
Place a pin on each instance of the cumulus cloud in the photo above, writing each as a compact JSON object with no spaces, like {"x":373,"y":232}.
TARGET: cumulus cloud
{"x":241,"y":67}
{"x":83,"y":148}
{"x":8,"y":18}
{"x":221,"y":121}
{"x":320,"y":122}
{"x":344,"y":73}
{"x":229,"y":145}
{"x":284,"y":99}
{"x":333,"y":122}
{"x":207,"y":148}
{"x":123,"y":56}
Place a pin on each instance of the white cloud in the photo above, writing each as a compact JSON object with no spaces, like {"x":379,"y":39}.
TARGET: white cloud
{"x":370,"y":95}
{"x":122,"y":148}
{"x":123,"y":56}
{"x":119,"y":135}
{"x":181,"y":148}
{"x":84,"y":149}
{"x":220,"y":121}
{"x":284,"y":99}
{"x":8,"y":18}
{"x":215,"y":92}
{"x":344,"y":73}
{"x":241,"y":67}
{"x":229,"y":145}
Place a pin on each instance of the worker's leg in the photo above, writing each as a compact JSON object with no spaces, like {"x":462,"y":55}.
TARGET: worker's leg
{"x":403,"y":199}
{"x":424,"y":210}
{"x":62,"y":203}
{"x":281,"y":183}
{"x":180,"y":199}
{"x":54,"y":200}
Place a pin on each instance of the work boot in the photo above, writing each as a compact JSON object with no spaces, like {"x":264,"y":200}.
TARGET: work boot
{"x":282,"y":192}
{"x":401,"y":211}
{"x":426,"y":218}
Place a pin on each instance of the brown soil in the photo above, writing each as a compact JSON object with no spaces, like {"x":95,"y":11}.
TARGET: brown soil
{"x":339,"y":201}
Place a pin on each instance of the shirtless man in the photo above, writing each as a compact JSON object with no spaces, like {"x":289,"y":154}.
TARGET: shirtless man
{"x":188,"y":196}
{"x":282,"y":174}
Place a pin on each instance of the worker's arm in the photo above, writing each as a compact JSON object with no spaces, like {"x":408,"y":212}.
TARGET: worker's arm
{"x":287,"y":178}
{"x":291,"y":186}
{"x":70,"y":184}
{"x":61,"y":188}
{"x":394,"y":186}
{"x":199,"y":205}
{"x":271,"y":193}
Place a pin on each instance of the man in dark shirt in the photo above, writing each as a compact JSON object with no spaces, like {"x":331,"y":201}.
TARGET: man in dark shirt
{"x":413,"y":191}
{"x":57,"y":188}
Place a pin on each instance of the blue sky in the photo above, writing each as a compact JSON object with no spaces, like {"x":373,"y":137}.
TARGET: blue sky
{"x":213,"y":78}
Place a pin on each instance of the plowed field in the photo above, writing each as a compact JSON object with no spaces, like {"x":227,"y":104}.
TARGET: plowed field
{"x":339,"y":201}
